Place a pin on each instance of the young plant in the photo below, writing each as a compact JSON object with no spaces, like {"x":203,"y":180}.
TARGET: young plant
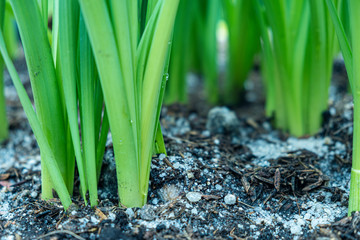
{"x":351,"y":54}
{"x":244,"y":36}
{"x":117,"y":51}
{"x":130,"y":42}
{"x":298,"y":49}
{"x":196,"y":48}
{"x":68,"y":65}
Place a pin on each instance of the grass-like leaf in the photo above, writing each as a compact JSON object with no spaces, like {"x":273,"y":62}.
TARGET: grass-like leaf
{"x":47,"y":96}
{"x":3,"y":118}
{"x":49,"y":160}
{"x":244,"y":42}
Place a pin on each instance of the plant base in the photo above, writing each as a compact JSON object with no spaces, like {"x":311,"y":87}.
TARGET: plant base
{"x":354,"y":198}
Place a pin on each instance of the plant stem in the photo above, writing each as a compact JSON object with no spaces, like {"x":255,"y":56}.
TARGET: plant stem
{"x":48,"y":161}
{"x":179,"y":63}
{"x":47,"y":96}
{"x":354,"y":198}
{"x":3,"y":119}
{"x":243,"y":44}
{"x":209,"y":61}
{"x":87,"y":109}
{"x":321,"y":52}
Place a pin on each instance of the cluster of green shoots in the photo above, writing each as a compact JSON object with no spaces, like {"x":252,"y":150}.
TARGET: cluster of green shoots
{"x":299,"y":43}
{"x":195,"y":48}
{"x":104,"y":62}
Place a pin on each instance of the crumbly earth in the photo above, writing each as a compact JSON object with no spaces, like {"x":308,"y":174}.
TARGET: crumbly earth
{"x":251,"y":182}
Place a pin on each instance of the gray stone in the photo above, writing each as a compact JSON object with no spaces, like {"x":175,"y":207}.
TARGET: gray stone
{"x":94,"y":220}
{"x":130,"y":213}
{"x":162,"y":157}
{"x":218,"y":187}
{"x":296,"y":230}
{"x":193,"y":196}
{"x":34,"y":194}
{"x":147,"y":213}
{"x":221,"y":121}
{"x":194,"y":211}
{"x":230,"y":199}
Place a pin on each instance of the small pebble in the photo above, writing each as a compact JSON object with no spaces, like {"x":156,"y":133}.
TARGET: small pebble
{"x":162,"y":157}
{"x":177,"y":165}
{"x":189,"y":174}
{"x":296,"y":230}
{"x":8,"y":237}
{"x":194,"y":211}
{"x":147,"y":213}
{"x":171,"y":215}
{"x":34,"y":194}
{"x":301,"y":222}
{"x":206,"y":133}
{"x":222,"y":120}
{"x":230,"y":199}
{"x":327,"y":140}
{"x":193,"y":196}
{"x":155,"y":201}
{"x":129,"y":212}
{"x":267,"y":126}
{"x":94,"y":220}
{"x":112,"y":216}
{"x":332,"y":111}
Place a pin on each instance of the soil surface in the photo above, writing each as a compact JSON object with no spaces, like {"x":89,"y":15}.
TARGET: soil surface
{"x":228,"y":175}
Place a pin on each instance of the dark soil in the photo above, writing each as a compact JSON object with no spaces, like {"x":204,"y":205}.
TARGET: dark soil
{"x":249,"y":183}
